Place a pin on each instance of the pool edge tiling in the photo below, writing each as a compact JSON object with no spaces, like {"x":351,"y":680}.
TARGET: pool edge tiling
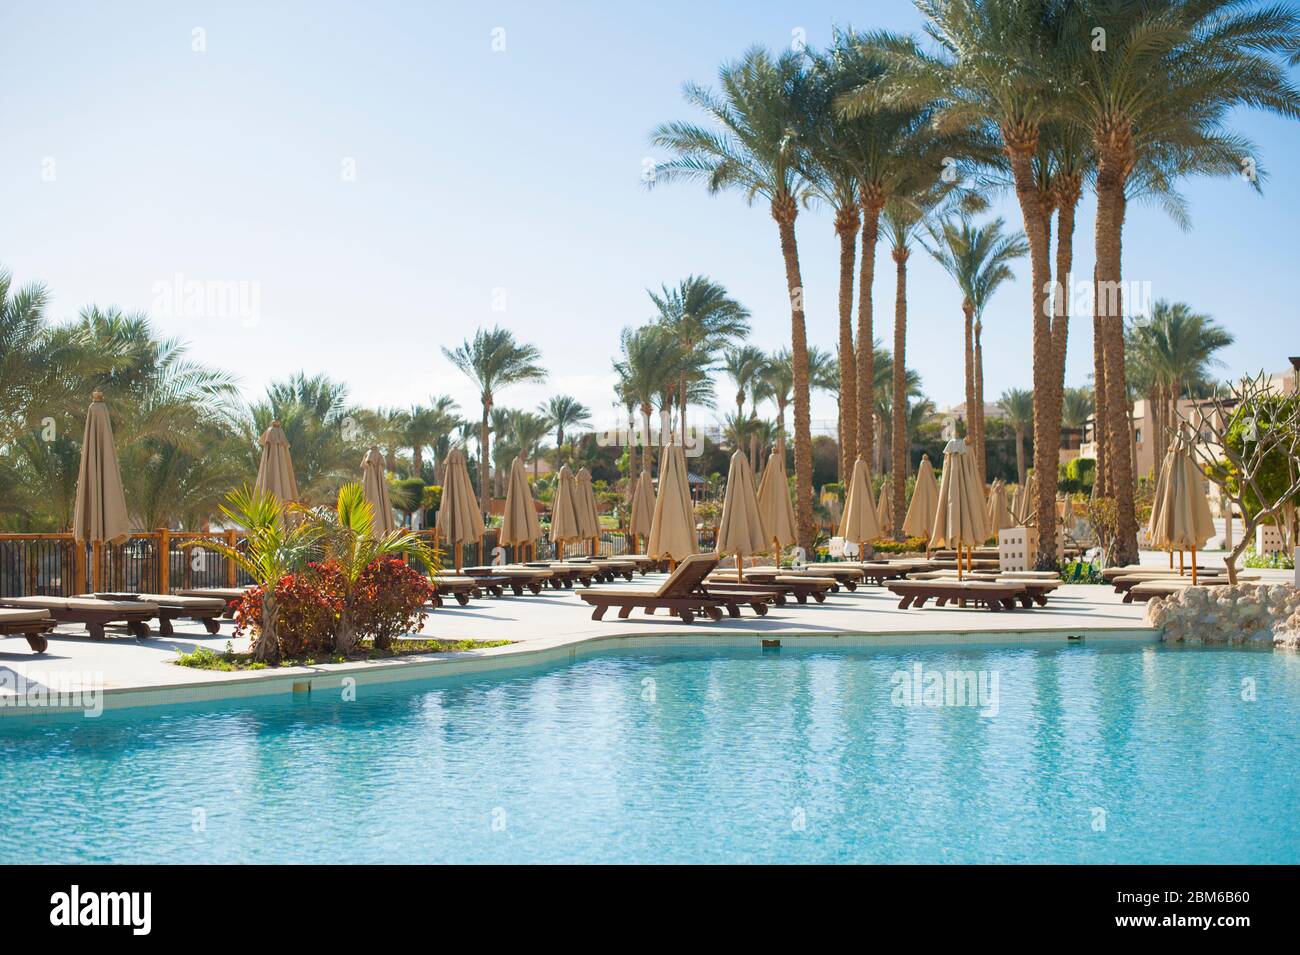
{"x":215,"y":686}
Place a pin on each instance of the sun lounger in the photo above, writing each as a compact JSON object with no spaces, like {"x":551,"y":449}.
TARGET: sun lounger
{"x":644,"y":562}
{"x":565,"y":574}
{"x":1110,"y":573}
{"x":809,"y":574}
{"x":680,"y":594}
{"x":878,"y":573}
{"x":459,"y":587}
{"x":92,"y":612}
{"x":517,"y":577}
{"x":800,"y":586}
{"x":231,"y":595}
{"x":32,"y":624}
{"x":992,"y":594}
{"x":1144,"y":590}
{"x":1127,"y":582}
{"x":171,"y":607}
{"x":848,"y":574}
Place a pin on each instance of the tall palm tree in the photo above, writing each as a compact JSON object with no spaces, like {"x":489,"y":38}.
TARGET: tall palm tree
{"x":744,"y":365}
{"x":979,"y":260}
{"x":882,"y":390}
{"x":1172,"y":74}
{"x":564,"y":411}
{"x":1018,"y":404}
{"x":322,"y":426}
{"x":894,"y":147}
{"x":998,"y":67}
{"x":527,"y":431}
{"x":648,"y":368}
{"x":904,"y":216}
{"x":494,"y":360}
{"x":758,"y":147}
{"x":703,"y":319}
{"x":1176,"y":347}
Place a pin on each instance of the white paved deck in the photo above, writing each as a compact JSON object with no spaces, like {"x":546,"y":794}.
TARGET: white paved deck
{"x":542,"y":627}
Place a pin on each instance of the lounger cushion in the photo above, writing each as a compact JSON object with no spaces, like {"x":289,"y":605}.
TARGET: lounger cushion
{"x":187,"y":603}
{"x":220,"y":593}
{"x":84,"y":604}
{"x":22,"y":616}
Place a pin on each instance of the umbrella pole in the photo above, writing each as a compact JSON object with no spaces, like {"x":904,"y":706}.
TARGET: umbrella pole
{"x":740,"y":568}
{"x":1182,"y":568}
{"x":1193,"y":565}
{"x":1171,"y":558}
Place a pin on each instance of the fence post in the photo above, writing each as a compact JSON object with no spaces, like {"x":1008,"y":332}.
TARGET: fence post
{"x":164,"y":560}
{"x":231,"y":568}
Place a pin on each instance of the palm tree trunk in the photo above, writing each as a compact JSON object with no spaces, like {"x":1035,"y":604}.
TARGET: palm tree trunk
{"x":968,"y":328}
{"x":1102,"y":480}
{"x":646,"y":459}
{"x":484,"y":491}
{"x":681,"y":401}
{"x":267,"y":645}
{"x":898,"y":440}
{"x":872,"y":200}
{"x":846,"y":227}
{"x":1111,"y":172}
{"x":1068,"y":190}
{"x":784,"y":211}
{"x":1020,"y":457}
{"x":1021,"y":145}
{"x":417,"y":461}
{"x":981,"y":454}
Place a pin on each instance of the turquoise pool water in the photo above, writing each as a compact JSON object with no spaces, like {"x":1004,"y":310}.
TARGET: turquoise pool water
{"x":1095,"y":754}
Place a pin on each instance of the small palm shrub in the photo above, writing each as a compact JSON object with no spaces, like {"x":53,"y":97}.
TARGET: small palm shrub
{"x":308,"y":606}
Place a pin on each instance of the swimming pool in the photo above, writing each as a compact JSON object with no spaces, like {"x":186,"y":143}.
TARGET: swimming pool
{"x":1081,"y":753}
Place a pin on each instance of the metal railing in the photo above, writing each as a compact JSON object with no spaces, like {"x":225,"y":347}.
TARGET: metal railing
{"x":146,"y":562}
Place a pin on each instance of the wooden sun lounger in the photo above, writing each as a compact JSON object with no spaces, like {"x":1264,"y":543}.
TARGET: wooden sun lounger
{"x":564,"y":574}
{"x":1142,"y":591}
{"x":515,"y":576}
{"x":1126,"y":583}
{"x":767,"y":574}
{"x":458,"y":587}
{"x":879,"y":573}
{"x":231,"y":595}
{"x":848,"y":574}
{"x":644,"y":562}
{"x":992,"y":594}
{"x":92,"y":612}
{"x":798,"y":586}
{"x":680,"y":594}
{"x":31,"y":624}
{"x":206,"y":610}
{"x":1110,"y":573}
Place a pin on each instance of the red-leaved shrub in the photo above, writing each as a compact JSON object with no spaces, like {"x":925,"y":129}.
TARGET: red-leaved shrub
{"x":308,"y":606}
{"x":389,"y":600}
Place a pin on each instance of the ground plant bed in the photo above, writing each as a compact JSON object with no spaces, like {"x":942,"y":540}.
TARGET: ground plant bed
{"x":230,"y":660}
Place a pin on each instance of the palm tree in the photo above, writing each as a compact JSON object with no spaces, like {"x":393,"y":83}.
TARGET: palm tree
{"x":1171,"y":75}
{"x":894,"y":148}
{"x":882,"y":391}
{"x":1076,"y":408}
{"x":528,"y":430}
{"x":978,"y":259}
{"x":703,"y":319}
{"x":758,"y":148}
{"x":323,"y":428}
{"x":1019,"y":406}
{"x":744,"y":365}
{"x":493,"y":360}
{"x":1174,"y":350}
{"x":998,"y":68}
{"x":904,"y":216}
{"x":564,"y":411}
{"x":422,"y":426}
{"x":648,"y":369}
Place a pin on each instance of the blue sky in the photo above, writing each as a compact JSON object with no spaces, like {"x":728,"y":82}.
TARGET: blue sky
{"x":383,"y":180}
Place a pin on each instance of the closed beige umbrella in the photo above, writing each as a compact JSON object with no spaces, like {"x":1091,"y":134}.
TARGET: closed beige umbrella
{"x":459,"y":519}
{"x":885,"y":510}
{"x":1024,"y":513}
{"x":1158,"y":496}
{"x":998,"y":514}
{"x":1183,"y":519}
{"x":774,"y":507}
{"x":672,"y":532}
{"x":588,"y":514}
{"x":565,"y":527}
{"x":275,"y":471}
{"x":959,"y":519}
{"x":99,"y":514}
{"x":740,"y":530}
{"x":519,"y":524}
{"x":858,"y":524}
{"x":919,"y":521}
{"x":375,"y":486}
{"x":643,"y":507}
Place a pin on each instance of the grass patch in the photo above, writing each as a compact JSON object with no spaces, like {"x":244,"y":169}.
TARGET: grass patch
{"x":204,"y":658}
